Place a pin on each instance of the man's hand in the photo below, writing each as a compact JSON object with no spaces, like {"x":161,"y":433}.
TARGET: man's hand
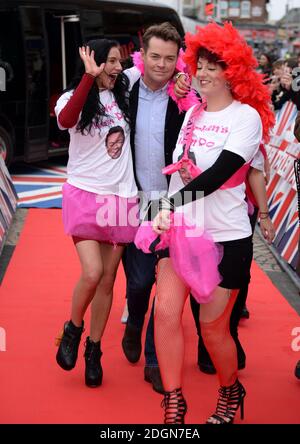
{"x":286,"y":79}
{"x":162,"y":221}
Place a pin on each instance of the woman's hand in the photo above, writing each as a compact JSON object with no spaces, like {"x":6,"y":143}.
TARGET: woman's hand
{"x":88,"y":59}
{"x":286,"y":80}
{"x":182,"y":86}
{"x":162,"y":221}
{"x":267,"y":229}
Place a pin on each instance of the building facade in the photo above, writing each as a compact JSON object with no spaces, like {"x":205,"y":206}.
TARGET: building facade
{"x":236,"y":10}
{"x":250,"y":11}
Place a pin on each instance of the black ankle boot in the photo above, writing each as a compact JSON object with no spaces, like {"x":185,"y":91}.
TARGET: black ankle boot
{"x":93,"y":369}
{"x":245,"y":313}
{"x":175,"y":407}
{"x":131,"y":343}
{"x":68,"y":342}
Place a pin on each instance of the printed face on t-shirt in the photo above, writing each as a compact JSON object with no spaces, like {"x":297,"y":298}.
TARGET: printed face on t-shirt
{"x":114,"y":142}
{"x":184,"y":172}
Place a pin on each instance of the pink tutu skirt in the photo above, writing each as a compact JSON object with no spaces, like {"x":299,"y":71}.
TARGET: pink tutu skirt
{"x":105,"y":218}
{"x":195,"y":256}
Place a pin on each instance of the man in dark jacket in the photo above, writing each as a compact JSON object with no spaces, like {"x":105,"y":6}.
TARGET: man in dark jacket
{"x":155,"y":125}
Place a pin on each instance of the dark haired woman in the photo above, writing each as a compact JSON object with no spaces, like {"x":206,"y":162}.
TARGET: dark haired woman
{"x":99,"y":195}
{"x":236,"y":119}
{"x":265,"y":66}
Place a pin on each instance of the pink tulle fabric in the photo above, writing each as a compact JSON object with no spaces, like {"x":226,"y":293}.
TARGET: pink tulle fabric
{"x":183,"y":103}
{"x":195,"y":257}
{"x":108,"y":218}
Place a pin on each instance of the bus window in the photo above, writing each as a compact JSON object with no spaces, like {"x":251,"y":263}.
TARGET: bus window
{"x":12,"y":98}
{"x":92,"y":25}
{"x":37,"y":83}
{"x":127,"y":23}
{"x":63,"y":39}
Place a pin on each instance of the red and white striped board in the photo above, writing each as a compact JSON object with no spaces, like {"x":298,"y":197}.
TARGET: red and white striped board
{"x":282,"y":150}
{"x":8,"y":202}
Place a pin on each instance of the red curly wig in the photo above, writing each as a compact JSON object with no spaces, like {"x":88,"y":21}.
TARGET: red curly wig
{"x":246,"y":84}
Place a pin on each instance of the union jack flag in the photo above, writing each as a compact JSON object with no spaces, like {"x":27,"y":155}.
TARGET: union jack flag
{"x":282,"y":200}
{"x":283,"y":149}
{"x":40,"y":187}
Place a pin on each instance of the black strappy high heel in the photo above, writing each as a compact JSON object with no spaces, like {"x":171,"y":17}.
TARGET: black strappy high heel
{"x":175,"y":407}
{"x":230,"y":400}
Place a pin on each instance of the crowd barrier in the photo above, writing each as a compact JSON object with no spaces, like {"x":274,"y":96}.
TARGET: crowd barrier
{"x":283,"y":150}
{"x":8,"y":202}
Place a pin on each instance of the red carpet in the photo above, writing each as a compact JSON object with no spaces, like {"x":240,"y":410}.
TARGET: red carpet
{"x":34,"y":302}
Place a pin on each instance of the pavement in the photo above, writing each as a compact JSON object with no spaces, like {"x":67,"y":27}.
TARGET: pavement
{"x":280,"y":273}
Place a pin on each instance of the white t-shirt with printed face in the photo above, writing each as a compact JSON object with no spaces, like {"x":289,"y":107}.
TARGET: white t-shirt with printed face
{"x":238,"y":129}
{"x":99,"y":162}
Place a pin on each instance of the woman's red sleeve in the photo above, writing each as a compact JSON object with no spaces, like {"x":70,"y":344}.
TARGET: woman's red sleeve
{"x":69,"y":115}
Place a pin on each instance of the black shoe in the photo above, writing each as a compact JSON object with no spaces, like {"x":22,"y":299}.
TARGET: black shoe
{"x":297,"y":370}
{"x":175,"y":407}
{"x":93,"y":369}
{"x":230,"y":400}
{"x":245,"y":313}
{"x":152,"y":375}
{"x":131,"y":343}
{"x":67,"y":353}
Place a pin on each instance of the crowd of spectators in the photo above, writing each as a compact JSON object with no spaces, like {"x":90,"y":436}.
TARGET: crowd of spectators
{"x":283,"y":77}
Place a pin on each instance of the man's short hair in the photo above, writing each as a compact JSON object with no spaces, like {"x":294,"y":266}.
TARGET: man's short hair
{"x":164,"y":31}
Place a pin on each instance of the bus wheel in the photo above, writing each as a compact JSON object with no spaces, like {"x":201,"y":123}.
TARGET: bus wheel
{"x":6,"y":147}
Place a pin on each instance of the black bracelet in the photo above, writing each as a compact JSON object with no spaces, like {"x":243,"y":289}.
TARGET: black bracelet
{"x":166,"y":204}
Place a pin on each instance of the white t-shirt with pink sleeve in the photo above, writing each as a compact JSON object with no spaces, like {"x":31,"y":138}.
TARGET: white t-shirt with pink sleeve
{"x":94,"y":166}
{"x":237,"y":128}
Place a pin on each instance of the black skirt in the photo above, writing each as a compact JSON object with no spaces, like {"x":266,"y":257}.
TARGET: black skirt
{"x":235,"y":264}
